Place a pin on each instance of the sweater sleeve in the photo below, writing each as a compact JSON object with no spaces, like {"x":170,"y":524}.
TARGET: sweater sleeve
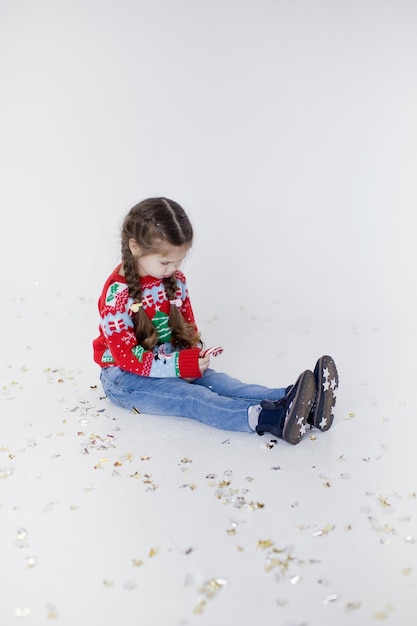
{"x":121,"y":347}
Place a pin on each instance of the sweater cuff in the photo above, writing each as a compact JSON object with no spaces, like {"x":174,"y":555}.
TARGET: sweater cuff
{"x":188,"y":363}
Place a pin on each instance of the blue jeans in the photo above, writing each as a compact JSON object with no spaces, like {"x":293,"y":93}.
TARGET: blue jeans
{"x":215,"y":399}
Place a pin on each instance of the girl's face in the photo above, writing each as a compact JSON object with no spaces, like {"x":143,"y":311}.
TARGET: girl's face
{"x":160,"y":264}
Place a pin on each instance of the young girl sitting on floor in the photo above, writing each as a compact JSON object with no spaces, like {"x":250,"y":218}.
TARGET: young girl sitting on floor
{"x":151,"y":355}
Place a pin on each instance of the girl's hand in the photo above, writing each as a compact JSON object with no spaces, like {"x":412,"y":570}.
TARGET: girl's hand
{"x":203,"y":363}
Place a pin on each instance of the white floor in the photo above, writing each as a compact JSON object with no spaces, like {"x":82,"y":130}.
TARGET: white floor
{"x":112,"y":518}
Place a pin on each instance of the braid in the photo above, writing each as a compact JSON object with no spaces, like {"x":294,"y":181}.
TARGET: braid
{"x":170,"y":285}
{"x":132,"y":278}
{"x":144,"y":329}
{"x":184,"y":335}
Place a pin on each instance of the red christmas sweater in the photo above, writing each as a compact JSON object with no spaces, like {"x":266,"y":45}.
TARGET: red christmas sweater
{"x":117,"y":343}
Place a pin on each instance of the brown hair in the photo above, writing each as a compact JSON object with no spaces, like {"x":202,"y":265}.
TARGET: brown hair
{"x":148,"y":223}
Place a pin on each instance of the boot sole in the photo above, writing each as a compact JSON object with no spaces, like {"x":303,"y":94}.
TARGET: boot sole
{"x":327,"y":382}
{"x":296,"y":419}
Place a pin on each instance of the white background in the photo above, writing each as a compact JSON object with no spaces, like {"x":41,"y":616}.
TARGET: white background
{"x":286,"y":129}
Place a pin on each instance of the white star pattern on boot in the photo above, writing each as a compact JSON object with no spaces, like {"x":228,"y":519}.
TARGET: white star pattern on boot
{"x":323,"y":422}
{"x":301,"y":424}
{"x":333,"y":384}
{"x":326,"y":372}
{"x":326,"y":385}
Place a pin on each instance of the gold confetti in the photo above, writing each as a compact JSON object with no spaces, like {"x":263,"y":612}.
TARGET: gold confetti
{"x":255,"y":505}
{"x":153,"y":552}
{"x":209,"y":590}
{"x":406,"y":571}
{"x":324,"y":531}
{"x":100,"y":463}
{"x":383,"y":501}
{"x":263,"y":544}
{"x":200,"y":607}
{"x":313,"y":437}
{"x":353,"y":606}
{"x":381,"y":615}
{"x":137,"y":562}
{"x":147,"y":480}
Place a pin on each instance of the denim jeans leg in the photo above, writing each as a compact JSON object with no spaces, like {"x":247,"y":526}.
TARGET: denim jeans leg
{"x":177,"y":397}
{"x":226,"y":385}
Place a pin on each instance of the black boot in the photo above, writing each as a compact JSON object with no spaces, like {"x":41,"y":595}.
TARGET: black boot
{"x":327,"y":382}
{"x":287,"y":418}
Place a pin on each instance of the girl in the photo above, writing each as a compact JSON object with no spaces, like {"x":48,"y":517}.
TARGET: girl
{"x":151,"y":355}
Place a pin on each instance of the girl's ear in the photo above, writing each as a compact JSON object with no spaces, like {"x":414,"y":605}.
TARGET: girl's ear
{"x":134,"y":248}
